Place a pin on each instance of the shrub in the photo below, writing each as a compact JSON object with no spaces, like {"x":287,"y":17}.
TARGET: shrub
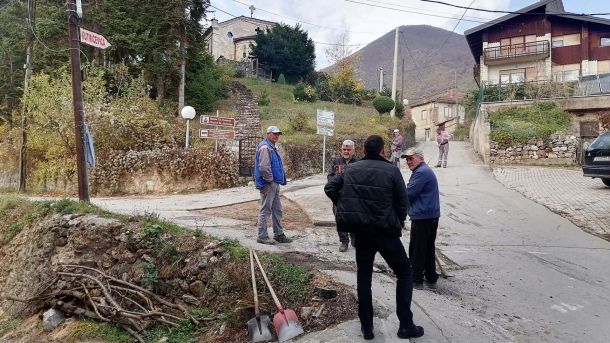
{"x":345,"y":88}
{"x":298,"y":121}
{"x":263,"y":98}
{"x":461,"y":132}
{"x":323,"y":87}
{"x":383,"y":104}
{"x":517,"y":125}
{"x":281,"y":79}
{"x":304,"y":92}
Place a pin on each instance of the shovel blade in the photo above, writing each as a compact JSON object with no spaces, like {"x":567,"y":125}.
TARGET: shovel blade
{"x":286,"y":325}
{"x":258,"y":329}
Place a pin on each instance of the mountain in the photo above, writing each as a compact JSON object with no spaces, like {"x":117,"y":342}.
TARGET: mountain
{"x":433,"y":58}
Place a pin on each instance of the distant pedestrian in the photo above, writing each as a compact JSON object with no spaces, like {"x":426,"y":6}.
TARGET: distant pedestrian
{"x":339,"y":165}
{"x":424,"y":211}
{"x":371,"y":200}
{"x":442,"y":140}
{"x":269,"y":174}
{"x":397,"y":142}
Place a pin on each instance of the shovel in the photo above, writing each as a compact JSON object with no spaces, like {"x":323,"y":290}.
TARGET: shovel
{"x":258,"y":327}
{"x":440,"y":266}
{"x":285,"y":321}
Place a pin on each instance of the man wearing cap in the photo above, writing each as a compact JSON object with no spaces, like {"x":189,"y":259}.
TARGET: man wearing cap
{"x":424,"y":211}
{"x":269,"y":174}
{"x":339,"y":165}
{"x":397,"y":141}
{"x":442,"y":140}
{"x":371,"y":200}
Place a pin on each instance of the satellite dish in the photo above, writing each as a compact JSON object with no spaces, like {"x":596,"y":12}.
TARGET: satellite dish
{"x":230,"y":35}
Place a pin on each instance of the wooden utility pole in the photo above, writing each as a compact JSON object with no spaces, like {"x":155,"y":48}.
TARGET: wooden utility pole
{"x":26,"y":81}
{"x":402,"y":80}
{"x":77,"y":100}
{"x":395,"y":72}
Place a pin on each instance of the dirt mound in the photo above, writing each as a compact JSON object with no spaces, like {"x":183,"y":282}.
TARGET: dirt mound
{"x":203,"y":278}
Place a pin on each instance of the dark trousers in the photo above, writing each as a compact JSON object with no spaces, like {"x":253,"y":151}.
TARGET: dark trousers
{"x":344,"y":237}
{"x":393,"y":252}
{"x":421,"y":249}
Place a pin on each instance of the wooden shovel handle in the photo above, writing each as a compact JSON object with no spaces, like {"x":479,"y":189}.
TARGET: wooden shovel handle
{"x":275,"y":299}
{"x":254,"y":285}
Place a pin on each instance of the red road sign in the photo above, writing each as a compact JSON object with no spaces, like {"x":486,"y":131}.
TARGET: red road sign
{"x":222,"y":121}
{"x":216,"y":134}
{"x":93,"y":39}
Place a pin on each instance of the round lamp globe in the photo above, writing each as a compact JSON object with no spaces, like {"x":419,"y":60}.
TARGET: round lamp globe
{"x":188,"y":112}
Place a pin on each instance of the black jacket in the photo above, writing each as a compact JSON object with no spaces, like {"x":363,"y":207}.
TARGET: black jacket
{"x":371,"y":198}
{"x":339,"y":165}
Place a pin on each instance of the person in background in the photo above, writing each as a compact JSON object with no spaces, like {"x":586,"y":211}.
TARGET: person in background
{"x":442,"y":140}
{"x":424,"y":212}
{"x":337,"y":168}
{"x":269,"y":174}
{"x":371,"y":200}
{"x":397,"y":141}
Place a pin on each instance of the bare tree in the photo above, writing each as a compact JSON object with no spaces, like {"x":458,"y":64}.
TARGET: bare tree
{"x":342,"y":53}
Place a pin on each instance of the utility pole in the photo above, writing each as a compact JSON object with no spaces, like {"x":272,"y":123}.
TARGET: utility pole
{"x":394,"y":72}
{"x":77,"y":100}
{"x":26,"y":81}
{"x":402,"y":81}
{"x":380,"y":79}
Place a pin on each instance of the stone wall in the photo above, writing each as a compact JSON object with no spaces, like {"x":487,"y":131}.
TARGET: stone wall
{"x":559,"y":149}
{"x":248,"y":120}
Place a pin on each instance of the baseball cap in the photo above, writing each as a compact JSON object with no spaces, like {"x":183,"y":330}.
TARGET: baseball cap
{"x":396,"y":130}
{"x":273,"y":129}
{"x":413,"y":151}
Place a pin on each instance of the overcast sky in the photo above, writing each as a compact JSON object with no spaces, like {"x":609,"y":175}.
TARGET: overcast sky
{"x":367,"y":20}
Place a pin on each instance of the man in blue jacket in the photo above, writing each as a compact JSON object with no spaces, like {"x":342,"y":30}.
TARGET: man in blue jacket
{"x":424,"y":211}
{"x":269,"y":174}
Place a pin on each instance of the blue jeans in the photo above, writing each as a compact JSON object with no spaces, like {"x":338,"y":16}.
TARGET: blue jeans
{"x":393,"y":252}
{"x":270,"y":207}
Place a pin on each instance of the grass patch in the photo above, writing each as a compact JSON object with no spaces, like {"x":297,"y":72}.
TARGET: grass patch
{"x":200,"y":312}
{"x":8,"y":325}
{"x":235,"y":248}
{"x":293,"y":278}
{"x":87,"y":329}
{"x":517,"y":125}
{"x":185,"y":333}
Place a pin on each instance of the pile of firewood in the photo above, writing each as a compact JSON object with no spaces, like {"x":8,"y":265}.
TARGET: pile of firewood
{"x":89,"y":292}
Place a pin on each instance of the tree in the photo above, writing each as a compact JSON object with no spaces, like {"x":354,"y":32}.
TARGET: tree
{"x":383,"y":104}
{"x":285,"y":50}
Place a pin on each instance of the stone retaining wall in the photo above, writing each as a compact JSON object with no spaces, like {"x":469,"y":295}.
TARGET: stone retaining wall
{"x":560,"y":149}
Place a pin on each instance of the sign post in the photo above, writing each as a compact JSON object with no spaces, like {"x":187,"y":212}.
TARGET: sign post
{"x":326,"y":122}
{"x":216,"y":133}
{"x":93,"y":39}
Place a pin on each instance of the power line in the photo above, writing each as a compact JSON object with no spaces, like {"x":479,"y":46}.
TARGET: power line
{"x":420,"y":9}
{"x":304,"y":22}
{"x":416,"y":12}
{"x":252,"y":22}
{"x":511,"y":12}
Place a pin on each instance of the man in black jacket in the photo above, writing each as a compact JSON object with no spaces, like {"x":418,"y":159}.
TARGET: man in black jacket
{"x":371,"y":200}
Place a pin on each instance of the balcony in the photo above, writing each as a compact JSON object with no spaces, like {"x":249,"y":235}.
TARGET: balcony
{"x":515,"y":53}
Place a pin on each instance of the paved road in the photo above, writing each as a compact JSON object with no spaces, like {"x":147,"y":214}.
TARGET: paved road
{"x":521,"y":272}
{"x":585,"y":201}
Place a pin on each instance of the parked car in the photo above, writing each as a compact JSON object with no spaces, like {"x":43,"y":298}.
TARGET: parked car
{"x":597,"y":159}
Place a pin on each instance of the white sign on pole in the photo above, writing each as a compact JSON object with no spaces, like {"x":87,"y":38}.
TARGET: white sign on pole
{"x":326,"y":131}
{"x":326,"y":118}
{"x":93,"y":39}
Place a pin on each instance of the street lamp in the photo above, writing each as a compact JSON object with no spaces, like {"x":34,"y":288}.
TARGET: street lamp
{"x":188,"y":113}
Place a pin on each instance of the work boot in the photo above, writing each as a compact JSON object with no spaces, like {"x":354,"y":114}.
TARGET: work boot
{"x":438,"y":165}
{"x":431,"y":285}
{"x":367,"y":333}
{"x":413,"y":332}
{"x":418,"y":285}
{"x":343,"y":247}
{"x":265,"y":241}
{"x":282,"y":239}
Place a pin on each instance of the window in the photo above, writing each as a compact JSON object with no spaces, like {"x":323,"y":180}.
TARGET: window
{"x":557,"y":43}
{"x":512,"y":76}
{"x":604,"y":41}
{"x":447,"y":112}
{"x":567,"y":72}
{"x":424,"y":115}
{"x":603,"y":66}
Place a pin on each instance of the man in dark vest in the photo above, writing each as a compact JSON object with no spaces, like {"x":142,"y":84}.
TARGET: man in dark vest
{"x":269,"y":174}
{"x":371,"y":200}
{"x":339,"y":165}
